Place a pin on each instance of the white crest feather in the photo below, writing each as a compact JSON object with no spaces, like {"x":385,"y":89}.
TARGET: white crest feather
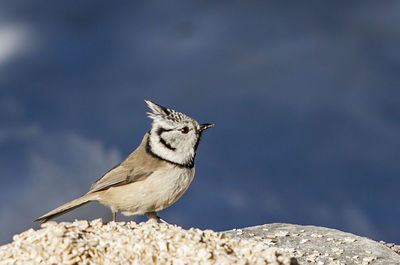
{"x":161,"y":113}
{"x":157,"y":110}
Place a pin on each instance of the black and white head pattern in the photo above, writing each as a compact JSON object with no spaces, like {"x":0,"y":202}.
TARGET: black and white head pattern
{"x":174,"y":136}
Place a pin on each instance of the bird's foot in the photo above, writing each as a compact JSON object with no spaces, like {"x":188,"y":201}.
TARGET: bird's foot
{"x":153,"y":217}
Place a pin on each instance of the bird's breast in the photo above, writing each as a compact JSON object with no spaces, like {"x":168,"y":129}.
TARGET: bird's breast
{"x":175,"y":183}
{"x":154,"y":193}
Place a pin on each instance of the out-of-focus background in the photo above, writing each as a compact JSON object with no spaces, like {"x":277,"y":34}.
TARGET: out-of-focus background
{"x":305,"y":98}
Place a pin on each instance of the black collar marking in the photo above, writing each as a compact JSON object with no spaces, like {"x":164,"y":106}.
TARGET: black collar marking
{"x":150,"y":152}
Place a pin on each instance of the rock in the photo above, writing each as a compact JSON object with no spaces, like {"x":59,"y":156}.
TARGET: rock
{"x":83,"y":242}
{"x":319,"y":245}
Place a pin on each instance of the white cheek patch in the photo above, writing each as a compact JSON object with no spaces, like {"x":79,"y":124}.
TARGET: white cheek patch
{"x":173,"y":146}
{"x":167,"y":141}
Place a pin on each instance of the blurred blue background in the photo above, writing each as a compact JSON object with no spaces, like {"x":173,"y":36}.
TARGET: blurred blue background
{"x":305,"y":98}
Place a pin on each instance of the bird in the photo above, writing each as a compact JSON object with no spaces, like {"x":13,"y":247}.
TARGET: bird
{"x":154,"y":176}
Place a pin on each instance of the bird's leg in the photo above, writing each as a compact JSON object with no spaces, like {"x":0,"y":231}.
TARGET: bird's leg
{"x":114,"y":216}
{"x":152,"y":216}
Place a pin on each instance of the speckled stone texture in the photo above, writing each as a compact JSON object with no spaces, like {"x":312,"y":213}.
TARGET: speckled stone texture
{"x":319,"y":245}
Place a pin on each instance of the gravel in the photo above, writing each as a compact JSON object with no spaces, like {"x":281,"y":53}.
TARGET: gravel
{"x":83,"y":242}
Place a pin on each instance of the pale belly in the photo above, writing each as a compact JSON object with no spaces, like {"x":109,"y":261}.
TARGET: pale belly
{"x":155,"y":193}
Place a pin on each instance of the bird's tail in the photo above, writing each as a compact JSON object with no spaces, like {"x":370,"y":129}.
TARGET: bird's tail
{"x":67,"y":207}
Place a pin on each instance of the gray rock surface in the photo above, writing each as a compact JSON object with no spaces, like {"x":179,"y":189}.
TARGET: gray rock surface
{"x":320,"y":245}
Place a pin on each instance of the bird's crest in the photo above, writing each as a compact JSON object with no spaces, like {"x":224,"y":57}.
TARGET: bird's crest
{"x":162,"y":113}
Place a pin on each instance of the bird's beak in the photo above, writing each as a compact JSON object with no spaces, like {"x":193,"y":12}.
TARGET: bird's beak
{"x":205,"y":126}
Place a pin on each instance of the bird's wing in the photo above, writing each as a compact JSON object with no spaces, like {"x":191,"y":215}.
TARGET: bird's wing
{"x":119,"y":175}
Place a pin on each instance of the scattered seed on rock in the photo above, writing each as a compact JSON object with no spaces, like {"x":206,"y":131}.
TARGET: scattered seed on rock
{"x":83,"y":242}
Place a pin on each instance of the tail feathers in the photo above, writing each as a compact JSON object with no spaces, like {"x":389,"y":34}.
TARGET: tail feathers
{"x":69,"y":206}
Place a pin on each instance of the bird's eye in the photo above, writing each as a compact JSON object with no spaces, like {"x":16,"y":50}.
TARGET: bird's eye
{"x":185,"y":130}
